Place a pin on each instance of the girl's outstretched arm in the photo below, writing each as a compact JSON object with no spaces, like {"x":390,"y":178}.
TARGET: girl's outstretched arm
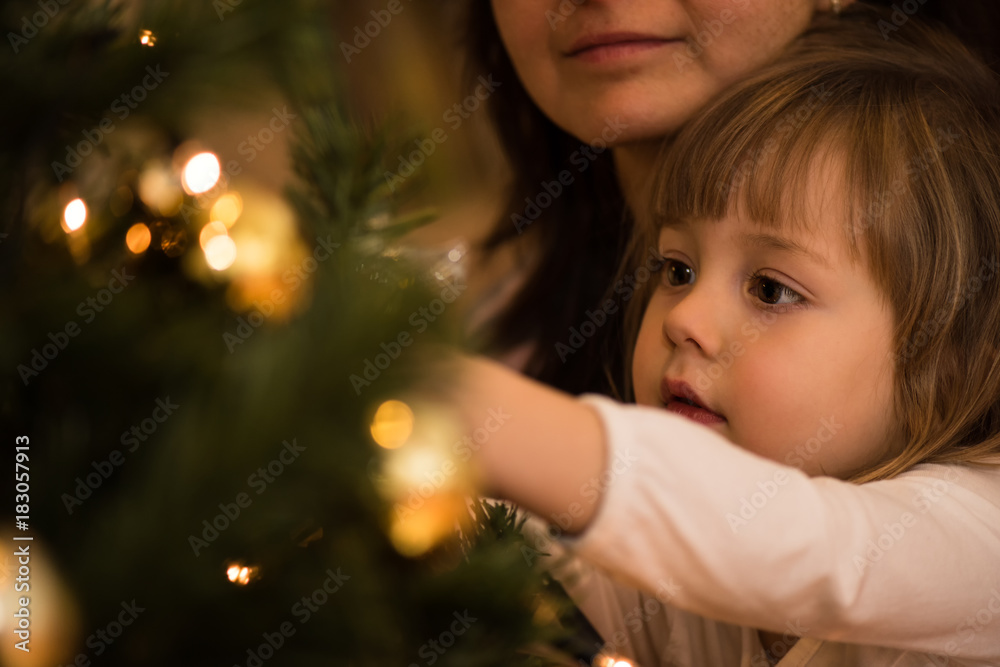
{"x":547,"y":448}
{"x":909,"y":564}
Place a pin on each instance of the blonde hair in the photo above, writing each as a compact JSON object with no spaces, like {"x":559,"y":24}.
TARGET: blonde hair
{"x":915,"y":122}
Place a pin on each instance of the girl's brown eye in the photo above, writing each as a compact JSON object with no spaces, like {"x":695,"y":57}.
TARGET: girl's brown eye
{"x":773,"y":293}
{"x":769,"y":291}
{"x":677,"y":273}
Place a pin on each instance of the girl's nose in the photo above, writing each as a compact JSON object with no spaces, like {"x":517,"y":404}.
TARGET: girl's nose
{"x":695,"y":320}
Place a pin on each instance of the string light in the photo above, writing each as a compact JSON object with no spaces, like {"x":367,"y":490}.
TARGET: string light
{"x":210,"y":231}
{"x":74,"y":215}
{"x":240,"y":574}
{"x":392,"y":424}
{"x":608,"y":661}
{"x":201,"y":173}
{"x":220,"y":252}
{"x":138,"y":237}
{"x":227,"y":209}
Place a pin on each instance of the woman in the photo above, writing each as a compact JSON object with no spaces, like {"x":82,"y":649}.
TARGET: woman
{"x":625,"y":75}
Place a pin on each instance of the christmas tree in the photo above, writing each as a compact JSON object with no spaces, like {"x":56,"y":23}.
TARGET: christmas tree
{"x":201,"y":401}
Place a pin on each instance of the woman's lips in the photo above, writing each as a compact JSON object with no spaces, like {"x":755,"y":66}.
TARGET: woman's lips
{"x":610,"y":47}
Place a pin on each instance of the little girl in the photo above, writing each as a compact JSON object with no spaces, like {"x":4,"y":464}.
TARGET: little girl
{"x":811,"y":472}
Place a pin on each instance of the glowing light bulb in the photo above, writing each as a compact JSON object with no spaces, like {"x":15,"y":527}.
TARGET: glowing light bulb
{"x":227,"y":209}
{"x":75,"y":215}
{"x":147,"y":38}
{"x":210,"y":231}
{"x":241,"y":574}
{"x":138,"y":237}
{"x":220,"y":252}
{"x":201,"y":173}
{"x":392,"y":424}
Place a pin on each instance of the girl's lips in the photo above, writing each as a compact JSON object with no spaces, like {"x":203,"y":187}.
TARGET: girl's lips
{"x":678,"y":396}
{"x":694,"y":413}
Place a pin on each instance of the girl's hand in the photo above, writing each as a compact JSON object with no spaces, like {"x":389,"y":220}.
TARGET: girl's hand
{"x":533,"y":445}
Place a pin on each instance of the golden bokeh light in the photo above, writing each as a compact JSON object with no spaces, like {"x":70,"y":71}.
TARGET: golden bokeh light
{"x":241,"y":574}
{"x":138,"y":237}
{"x":392,"y":424}
{"x":227,"y":209}
{"x":220,"y":252}
{"x":147,"y":38}
{"x":74,"y":215}
{"x":201,"y":173}
{"x":210,"y":231}
{"x":158,"y":190}
{"x":415,"y":532}
{"x":608,"y":661}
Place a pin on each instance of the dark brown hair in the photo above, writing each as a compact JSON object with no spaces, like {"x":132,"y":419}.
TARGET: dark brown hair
{"x":577,"y":243}
{"x":913,"y":123}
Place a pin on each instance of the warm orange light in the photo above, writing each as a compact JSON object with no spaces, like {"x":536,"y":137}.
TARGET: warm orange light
{"x":138,"y":237}
{"x":210,"y":231}
{"x":201,"y":173}
{"x":392,"y":424}
{"x":74,"y":215}
{"x":227,"y":209}
{"x":147,"y":38}
{"x":220,"y":252}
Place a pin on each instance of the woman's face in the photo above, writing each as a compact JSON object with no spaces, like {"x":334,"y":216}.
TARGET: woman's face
{"x":643,"y":65}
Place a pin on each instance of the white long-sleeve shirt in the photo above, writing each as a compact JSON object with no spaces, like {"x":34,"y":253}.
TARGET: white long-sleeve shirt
{"x":900,"y":572}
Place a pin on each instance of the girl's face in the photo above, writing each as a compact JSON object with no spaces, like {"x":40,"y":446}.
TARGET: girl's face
{"x":650,"y":64}
{"x":780,"y":336}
